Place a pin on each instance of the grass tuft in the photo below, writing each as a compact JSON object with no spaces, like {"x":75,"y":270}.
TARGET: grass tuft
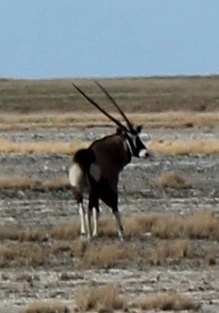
{"x":6,"y":254}
{"x":46,"y":307}
{"x":169,"y":147}
{"x":9,"y":232}
{"x":108,"y":255}
{"x":32,"y":255}
{"x":100,"y":299}
{"x":138,"y":225}
{"x":60,"y":247}
{"x":184,"y":147}
{"x":202,"y":225}
{"x":165,"y":301}
{"x":168,"y":226}
{"x":24,"y":182}
{"x":170,"y":253}
{"x":19,"y":182}
{"x":174,"y":180}
{"x":65,"y":231}
{"x":42,"y":147}
{"x":33,"y":234}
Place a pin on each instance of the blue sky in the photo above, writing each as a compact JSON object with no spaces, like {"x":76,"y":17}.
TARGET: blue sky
{"x":108,"y":38}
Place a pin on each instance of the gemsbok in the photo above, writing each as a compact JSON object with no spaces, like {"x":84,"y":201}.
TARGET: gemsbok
{"x":96,"y":170}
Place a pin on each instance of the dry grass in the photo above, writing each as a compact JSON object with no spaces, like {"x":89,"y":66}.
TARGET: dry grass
{"x":174,"y":180}
{"x":170,"y":147}
{"x":20,"y":182}
{"x":184,"y":147}
{"x":171,"y":252}
{"x":23,"y":255}
{"x":41,"y":147}
{"x":210,"y":256}
{"x":76,"y":248}
{"x":108,"y":255}
{"x":33,"y":234}
{"x":153,"y":94}
{"x":79,"y":248}
{"x":165,"y":301}
{"x":29,"y":234}
{"x":27,"y":246}
{"x":56,"y":183}
{"x":168,"y":226}
{"x":139,"y":225}
{"x":199,"y":225}
{"x":202,"y":225}
{"x":6,"y":254}
{"x":81,"y":256}
{"x":60,"y":247}
{"x":175,"y":119}
{"x":100,"y":299}
{"x":65,"y":231}
{"x":46,"y":307}
{"x":172,"y":119}
{"x":107,"y":227}
{"x":9,"y":232}
{"x":24,"y":182}
{"x":31,"y":255}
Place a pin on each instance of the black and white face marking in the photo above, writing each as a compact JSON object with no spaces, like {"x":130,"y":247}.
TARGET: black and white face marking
{"x":136,"y":145}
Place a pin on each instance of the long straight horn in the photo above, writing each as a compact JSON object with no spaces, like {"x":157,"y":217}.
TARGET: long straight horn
{"x":99,"y":108}
{"x":113,"y":101}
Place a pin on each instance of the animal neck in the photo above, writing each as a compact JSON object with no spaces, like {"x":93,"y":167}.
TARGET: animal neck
{"x":131,"y":147}
{"x":113,"y":150}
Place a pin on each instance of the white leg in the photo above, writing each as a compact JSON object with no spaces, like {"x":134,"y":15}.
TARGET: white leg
{"x":82,"y":217}
{"x":95,"y":218}
{"x":89,"y":224}
{"x":118,"y":219}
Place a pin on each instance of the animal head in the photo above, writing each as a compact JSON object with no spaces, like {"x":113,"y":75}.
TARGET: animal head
{"x":130,"y":132}
{"x":134,"y":142}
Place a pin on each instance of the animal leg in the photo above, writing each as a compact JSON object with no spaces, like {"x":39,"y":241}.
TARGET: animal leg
{"x":110,"y":197}
{"x":76,"y":179}
{"x":89,"y":224}
{"x":96,"y":213}
{"x":79,"y":199}
{"x":119,"y":223}
{"x":82,"y":217}
{"x":93,"y":204}
{"x":116,"y":213}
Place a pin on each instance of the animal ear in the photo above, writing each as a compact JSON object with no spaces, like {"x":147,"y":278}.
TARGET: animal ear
{"x":139,"y":129}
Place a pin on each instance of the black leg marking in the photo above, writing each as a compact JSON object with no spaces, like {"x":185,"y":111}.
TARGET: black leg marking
{"x":77,"y":195}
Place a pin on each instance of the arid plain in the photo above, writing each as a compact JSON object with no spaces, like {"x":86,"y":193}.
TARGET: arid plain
{"x":169,"y":203}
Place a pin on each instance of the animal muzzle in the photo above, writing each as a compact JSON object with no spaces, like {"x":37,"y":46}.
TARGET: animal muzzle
{"x":144,"y":153}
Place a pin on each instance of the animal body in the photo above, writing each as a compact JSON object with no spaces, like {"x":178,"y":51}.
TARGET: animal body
{"x":96,"y":170}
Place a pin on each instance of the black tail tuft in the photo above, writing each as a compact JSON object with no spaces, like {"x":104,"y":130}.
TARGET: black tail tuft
{"x":84,"y":157}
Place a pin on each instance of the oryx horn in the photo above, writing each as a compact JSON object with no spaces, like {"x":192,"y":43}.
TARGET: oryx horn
{"x":99,"y":108}
{"x":113,"y":101}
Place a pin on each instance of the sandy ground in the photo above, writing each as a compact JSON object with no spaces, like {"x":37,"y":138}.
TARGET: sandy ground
{"x":138,"y":193}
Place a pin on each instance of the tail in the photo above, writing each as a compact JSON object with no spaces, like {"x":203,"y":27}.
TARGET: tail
{"x":84,"y":164}
{"x":81,"y":163}
{"x":84,"y":158}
